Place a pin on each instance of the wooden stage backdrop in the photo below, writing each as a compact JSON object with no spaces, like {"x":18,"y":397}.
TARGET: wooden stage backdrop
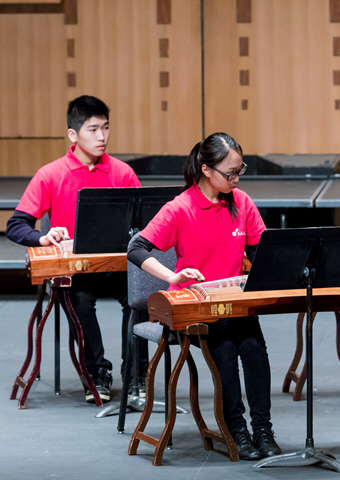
{"x":271,"y":74}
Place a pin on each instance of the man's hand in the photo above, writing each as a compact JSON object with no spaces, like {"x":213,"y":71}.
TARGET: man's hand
{"x":54,"y":236}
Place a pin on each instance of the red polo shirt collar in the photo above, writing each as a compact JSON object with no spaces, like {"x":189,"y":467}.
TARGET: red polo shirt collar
{"x":74,"y":164}
{"x":202,"y":200}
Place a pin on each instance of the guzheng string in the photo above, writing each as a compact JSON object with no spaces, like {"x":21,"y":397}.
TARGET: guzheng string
{"x":205,"y":288}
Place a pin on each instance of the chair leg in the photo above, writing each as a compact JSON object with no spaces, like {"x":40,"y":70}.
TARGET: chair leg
{"x":135,"y":366}
{"x":127,"y":372}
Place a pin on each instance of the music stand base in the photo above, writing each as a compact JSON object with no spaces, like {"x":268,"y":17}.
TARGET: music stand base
{"x":320,"y":456}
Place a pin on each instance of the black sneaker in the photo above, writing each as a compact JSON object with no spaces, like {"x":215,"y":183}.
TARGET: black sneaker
{"x":103,"y":381}
{"x":265,"y":443}
{"x":245,"y":447}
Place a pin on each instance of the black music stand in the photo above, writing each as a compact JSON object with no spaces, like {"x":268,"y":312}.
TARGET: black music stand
{"x":107,"y":218}
{"x":292,"y":259}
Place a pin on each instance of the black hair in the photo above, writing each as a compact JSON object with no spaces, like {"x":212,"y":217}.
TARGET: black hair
{"x":82,"y":108}
{"x":211,"y":151}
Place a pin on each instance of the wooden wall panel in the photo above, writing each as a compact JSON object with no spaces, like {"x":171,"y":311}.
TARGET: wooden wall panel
{"x":31,"y":1}
{"x":222,"y":67}
{"x":118,"y":60}
{"x":116,"y":50}
{"x":24,"y":156}
{"x":5,"y":215}
{"x":183,"y":123}
{"x":32,"y":75}
{"x":289,"y":76}
{"x":291,"y":97}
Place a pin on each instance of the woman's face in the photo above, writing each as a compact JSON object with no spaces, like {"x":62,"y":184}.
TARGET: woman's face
{"x":216,"y":175}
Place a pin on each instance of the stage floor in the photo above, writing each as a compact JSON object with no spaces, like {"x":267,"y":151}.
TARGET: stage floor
{"x":59,"y":436}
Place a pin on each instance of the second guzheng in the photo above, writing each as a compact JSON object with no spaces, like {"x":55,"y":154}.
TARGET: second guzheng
{"x":206,"y":302}
{"x":43,"y":263}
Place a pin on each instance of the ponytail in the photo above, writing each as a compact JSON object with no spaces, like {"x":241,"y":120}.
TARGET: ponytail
{"x":192,"y":168}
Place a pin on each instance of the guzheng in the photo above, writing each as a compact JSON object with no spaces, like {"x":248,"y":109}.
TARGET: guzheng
{"x":43,"y":263}
{"x":209,"y":301}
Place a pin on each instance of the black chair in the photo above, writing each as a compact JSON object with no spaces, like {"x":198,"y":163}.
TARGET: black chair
{"x":140,"y":286}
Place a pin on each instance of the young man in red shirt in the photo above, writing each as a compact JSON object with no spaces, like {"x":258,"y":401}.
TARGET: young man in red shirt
{"x":53,"y":189}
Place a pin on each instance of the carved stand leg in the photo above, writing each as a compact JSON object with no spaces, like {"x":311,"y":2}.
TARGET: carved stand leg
{"x":194,"y":403}
{"x":225,"y":436}
{"x":291,"y":374}
{"x":55,"y":284}
{"x":80,"y":365}
{"x":171,"y":418}
{"x":20,"y":381}
{"x":207,"y":435}
{"x":139,"y":434}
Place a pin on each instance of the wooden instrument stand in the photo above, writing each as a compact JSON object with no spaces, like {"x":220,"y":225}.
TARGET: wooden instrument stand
{"x":208,"y":435}
{"x":291,"y":375}
{"x":57,"y":285}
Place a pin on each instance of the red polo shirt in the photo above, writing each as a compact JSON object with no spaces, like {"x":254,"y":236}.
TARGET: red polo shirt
{"x":54,"y":187}
{"x":204,"y":234}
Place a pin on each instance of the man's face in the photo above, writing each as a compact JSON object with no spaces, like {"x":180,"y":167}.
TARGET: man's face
{"x":92,"y":138}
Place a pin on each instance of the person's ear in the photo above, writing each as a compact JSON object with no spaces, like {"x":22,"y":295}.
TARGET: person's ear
{"x":206,"y":170}
{"x":72,"y":135}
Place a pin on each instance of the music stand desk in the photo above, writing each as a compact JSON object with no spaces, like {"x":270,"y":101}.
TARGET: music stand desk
{"x":12,"y":255}
{"x":330,"y":195}
{"x":11,"y":190}
{"x":267,"y":191}
{"x":274,"y":191}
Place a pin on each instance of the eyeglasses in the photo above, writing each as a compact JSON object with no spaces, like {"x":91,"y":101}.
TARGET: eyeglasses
{"x":231,"y":176}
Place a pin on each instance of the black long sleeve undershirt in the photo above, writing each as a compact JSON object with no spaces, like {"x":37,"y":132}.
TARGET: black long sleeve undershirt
{"x":140,"y":248}
{"x":21,"y":229}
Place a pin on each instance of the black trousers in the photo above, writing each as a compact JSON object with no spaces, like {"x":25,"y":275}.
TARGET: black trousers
{"x":242,"y":337}
{"x":85,"y":291}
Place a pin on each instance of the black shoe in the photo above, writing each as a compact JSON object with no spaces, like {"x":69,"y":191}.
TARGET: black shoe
{"x":103,"y":381}
{"x":245,"y":447}
{"x":265,"y":443}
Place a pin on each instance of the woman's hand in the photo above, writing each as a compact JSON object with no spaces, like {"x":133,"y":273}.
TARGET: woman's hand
{"x":154,"y":267}
{"x":55,"y":235}
{"x":186,"y":275}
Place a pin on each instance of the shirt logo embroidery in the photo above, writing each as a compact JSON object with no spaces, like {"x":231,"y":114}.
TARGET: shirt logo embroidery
{"x":237,"y":232}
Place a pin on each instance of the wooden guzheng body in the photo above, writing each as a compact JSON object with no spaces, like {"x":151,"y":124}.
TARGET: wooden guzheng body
{"x":205,"y":303}
{"x":43,"y":263}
